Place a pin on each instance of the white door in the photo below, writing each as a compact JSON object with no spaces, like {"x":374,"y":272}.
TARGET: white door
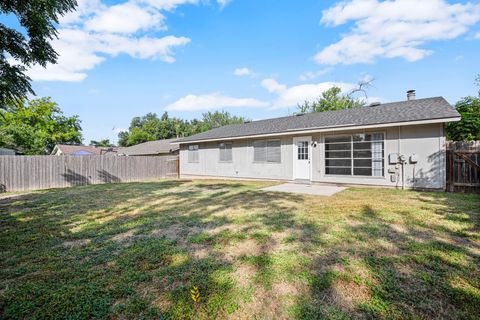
{"x":301,"y":157}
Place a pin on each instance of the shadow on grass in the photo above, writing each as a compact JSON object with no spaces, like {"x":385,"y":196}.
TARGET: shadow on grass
{"x":387,"y":272}
{"x":103,"y":250}
{"x":134,"y":251}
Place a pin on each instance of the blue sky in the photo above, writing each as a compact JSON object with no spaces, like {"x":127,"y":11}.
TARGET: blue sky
{"x":258,"y":59}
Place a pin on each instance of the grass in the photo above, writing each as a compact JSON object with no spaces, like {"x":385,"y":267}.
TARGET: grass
{"x":126,"y":251}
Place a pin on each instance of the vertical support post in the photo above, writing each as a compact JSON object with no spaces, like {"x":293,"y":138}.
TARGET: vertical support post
{"x":178,"y":167}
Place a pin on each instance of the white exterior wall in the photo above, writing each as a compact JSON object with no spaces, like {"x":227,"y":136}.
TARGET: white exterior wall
{"x":242,"y":165}
{"x":426,"y":141}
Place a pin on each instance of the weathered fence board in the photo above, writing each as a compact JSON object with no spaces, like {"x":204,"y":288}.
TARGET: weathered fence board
{"x":463,"y":166}
{"x":21,"y":173}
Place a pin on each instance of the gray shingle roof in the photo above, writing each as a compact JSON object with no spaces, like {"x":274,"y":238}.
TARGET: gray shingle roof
{"x":71,"y":149}
{"x":403,"y":111}
{"x":150,"y":148}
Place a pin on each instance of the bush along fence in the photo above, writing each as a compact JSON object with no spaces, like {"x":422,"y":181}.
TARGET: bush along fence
{"x":21,"y":173}
{"x":463,"y":166}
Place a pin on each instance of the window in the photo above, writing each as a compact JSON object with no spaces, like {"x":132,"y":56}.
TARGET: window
{"x":193,"y":153}
{"x":357,"y":154}
{"x":267,"y":151}
{"x":302,"y":150}
{"x":225,"y":152}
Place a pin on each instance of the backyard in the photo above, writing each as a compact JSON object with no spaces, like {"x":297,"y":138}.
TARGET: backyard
{"x":135,"y":250}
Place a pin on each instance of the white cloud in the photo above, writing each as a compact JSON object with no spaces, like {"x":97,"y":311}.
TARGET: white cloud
{"x":477,"y":35}
{"x":213,"y":101}
{"x":310,"y":75}
{"x":127,"y":17}
{"x":84,"y":9}
{"x":223,"y":3}
{"x":273,"y":86}
{"x":97,"y":31}
{"x":291,"y":96}
{"x":243,"y":72}
{"x":167,"y":4}
{"x":81,"y":51}
{"x":141,"y":48}
{"x":396,"y":28}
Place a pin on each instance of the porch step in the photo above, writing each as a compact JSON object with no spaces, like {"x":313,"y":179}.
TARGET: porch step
{"x":302,"y":181}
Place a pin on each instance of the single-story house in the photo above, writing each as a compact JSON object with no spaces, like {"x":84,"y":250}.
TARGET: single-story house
{"x":8,"y":152}
{"x":164,"y":147}
{"x":78,"y":150}
{"x":399,"y":144}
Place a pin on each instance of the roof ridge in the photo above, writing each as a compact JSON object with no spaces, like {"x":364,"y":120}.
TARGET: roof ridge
{"x":432,"y":108}
{"x":334,"y":111}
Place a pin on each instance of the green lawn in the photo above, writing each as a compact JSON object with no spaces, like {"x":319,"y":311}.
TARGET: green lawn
{"x":131,"y":251}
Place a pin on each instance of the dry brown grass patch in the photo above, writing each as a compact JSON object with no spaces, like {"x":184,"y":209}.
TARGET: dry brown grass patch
{"x":347,"y":294}
{"x":76,"y":243}
{"x":244,"y":274}
{"x":243,"y":248}
{"x":263,"y":305}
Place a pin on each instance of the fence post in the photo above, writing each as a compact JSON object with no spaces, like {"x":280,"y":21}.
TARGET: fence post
{"x":178,"y":167}
{"x":451,"y":169}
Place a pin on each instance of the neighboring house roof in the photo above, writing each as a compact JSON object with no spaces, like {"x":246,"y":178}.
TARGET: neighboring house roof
{"x":150,"y":148}
{"x":7,"y":152}
{"x":76,"y":150}
{"x":388,"y":113}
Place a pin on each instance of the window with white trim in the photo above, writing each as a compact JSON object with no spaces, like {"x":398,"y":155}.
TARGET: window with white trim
{"x":225,"y":152}
{"x":267,"y":151}
{"x":193,"y":153}
{"x":302,"y":150}
{"x":355,"y":155}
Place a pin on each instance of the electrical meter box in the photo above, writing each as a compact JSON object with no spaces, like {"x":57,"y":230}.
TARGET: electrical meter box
{"x":413,"y":158}
{"x":393,"y":158}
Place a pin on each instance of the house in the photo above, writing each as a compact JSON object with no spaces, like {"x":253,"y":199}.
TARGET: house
{"x":398,"y":144}
{"x":78,"y":150}
{"x":7,"y":152}
{"x":151,"y":148}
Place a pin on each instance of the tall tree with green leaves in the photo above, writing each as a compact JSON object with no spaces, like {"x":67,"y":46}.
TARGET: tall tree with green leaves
{"x":102,"y":143}
{"x":217,"y":119}
{"x":332,"y":99}
{"x":37,"y":126}
{"x":468,"y":128}
{"x":38,"y":18}
{"x":150,"y":127}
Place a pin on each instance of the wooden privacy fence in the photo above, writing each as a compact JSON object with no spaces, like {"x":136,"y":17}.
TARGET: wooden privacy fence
{"x":20,"y":173}
{"x":463,"y":166}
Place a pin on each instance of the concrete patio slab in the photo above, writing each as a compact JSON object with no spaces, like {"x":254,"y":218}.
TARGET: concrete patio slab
{"x":311,"y":189}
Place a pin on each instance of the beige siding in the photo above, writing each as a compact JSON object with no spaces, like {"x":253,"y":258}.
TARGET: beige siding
{"x":426,"y":141}
{"x":242,"y":165}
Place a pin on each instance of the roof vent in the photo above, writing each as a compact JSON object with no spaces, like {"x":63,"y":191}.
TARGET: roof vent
{"x":375,"y":104}
{"x":410,"y":95}
{"x":298,"y":114}
{"x":247,"y":121}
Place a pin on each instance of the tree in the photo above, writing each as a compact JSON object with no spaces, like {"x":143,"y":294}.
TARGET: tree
{"x":38,"y":17}
{"x":468,"y":128}
{"x":36,"y":127}
{"x":102,"y":143}
{"x":218,"y":119}
{"x":332,"y":99}
{"x":150,"y":127}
